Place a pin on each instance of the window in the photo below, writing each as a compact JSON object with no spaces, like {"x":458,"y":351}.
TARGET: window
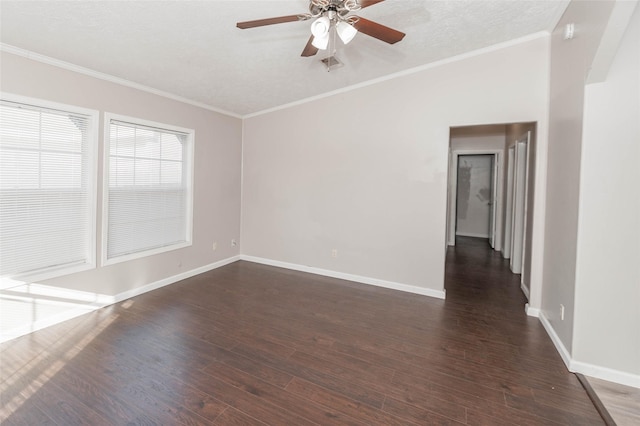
{"x":148,"y":188}
{"x":47,"y":188}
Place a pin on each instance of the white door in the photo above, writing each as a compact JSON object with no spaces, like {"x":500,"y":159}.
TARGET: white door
{"x":508,"y":217}
{"x":451,"y":191}
{"x":519,"y":200}
{"x":526,"y":259}
{"x":493,"y":204}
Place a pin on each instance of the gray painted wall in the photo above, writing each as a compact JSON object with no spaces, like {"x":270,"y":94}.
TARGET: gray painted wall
{"x":365,"y":171}
{"x":218,"y":147}
{"x":607,"y":317}
{"x":570,"y":61}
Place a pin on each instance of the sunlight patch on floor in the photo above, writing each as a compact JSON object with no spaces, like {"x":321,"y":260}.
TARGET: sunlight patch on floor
{"x":27,"y":307}
{"x":9,"y":407}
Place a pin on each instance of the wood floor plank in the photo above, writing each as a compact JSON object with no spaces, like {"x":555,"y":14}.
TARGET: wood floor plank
{"x":417,"y":414}
{"x":188,"y":403}
{"x":345,"y":371}
{"x":261,"y":371}
{"x":422,"y":397}
{"x":495,"y":415}
{"x":382,"y":373}
{"x":69,"y":408}
{"x":246,"y":402}
{"x":584,"y":416}
{"x":622,"y":403}
{"x":122,"y":400}
{"x":280,"y":397}
{"x":450,"y":388}
{"x":250,"y":344}
{"x":343,"y":404}
{"x":233,"y":417}
{"x":23,"y":412}
{"x":353,"y":390}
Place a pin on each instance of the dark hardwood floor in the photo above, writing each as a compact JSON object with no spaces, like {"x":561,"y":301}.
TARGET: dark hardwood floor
{"x":249,"y":344}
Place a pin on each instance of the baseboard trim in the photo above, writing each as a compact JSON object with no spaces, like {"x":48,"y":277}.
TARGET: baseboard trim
{"x":591,"y":370}
{"x":525,"y":290}
{"x":532,"y":312}
{"x":104,"y":300}
{"x":173,"y":279}
{"x":562,"y":350}
{"x":439,"y":294}
{"x":604,"y":373}
{"x":471,"y":234}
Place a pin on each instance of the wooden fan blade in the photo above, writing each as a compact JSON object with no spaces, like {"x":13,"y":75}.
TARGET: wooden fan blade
{"x":367,"y":3}
{"x":378,"y":31}
{"x":309,"y":49}
{"x":270,"y":21}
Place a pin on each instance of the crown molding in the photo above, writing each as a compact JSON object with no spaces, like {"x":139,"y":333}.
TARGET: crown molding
{"x":457,"y":58}
{"x":107,"y":77}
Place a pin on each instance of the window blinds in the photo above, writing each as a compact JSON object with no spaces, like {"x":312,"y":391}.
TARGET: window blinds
{"x":46,"y":189}
{"x":147,"y":195}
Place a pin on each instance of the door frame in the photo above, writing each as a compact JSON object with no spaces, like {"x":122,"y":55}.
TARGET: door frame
{"x":496,"y":193}
{"x":519,"y":218}
{"x":508,"y":210}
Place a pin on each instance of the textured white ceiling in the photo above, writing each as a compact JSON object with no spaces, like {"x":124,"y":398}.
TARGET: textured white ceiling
{"x":192,"y":49}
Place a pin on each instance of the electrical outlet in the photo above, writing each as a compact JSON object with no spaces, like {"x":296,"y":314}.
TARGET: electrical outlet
{"x":334,"y":253}
{"x":561,"y":312}
{"x":214,"y":246}
{"x":233,"y":243}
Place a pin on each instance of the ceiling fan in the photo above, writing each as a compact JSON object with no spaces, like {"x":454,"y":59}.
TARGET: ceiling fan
{"x":333,"y":17}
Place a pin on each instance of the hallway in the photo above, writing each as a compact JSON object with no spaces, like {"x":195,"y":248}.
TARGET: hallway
{"x":477,"y":276}
{"x":250,"y":344}
{"x":490,"y":306}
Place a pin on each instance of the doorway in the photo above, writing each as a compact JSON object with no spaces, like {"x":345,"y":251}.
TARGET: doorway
{"x":512,"y":149}
{"x":475,"y":196}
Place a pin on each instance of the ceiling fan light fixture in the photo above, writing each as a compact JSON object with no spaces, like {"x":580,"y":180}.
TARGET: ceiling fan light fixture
{"x":352,"y":5}
{"x":332,"y":19}
{"x":321,"y":42}
{"x":345,"y":31}
{"x":321,"y":27}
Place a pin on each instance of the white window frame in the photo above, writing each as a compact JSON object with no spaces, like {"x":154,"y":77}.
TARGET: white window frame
{"x":188,"y":163}
{"x":92,"y":152}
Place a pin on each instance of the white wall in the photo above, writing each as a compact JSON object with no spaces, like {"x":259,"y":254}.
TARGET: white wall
{"x":365,"y":171}
{"x":607,"y":317}
{"x":570,"y":61}
{"x":218,"y":147}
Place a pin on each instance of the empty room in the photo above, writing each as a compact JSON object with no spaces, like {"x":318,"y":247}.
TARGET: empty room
{"x":319,"y":212}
